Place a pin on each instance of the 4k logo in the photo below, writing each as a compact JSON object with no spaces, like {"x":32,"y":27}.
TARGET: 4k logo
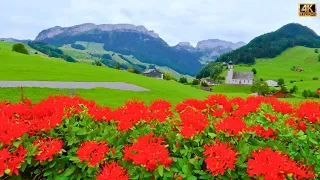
{"x":308,"y":9}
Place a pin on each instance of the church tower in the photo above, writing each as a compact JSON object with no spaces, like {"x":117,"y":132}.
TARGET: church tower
{"x":230,"y":72}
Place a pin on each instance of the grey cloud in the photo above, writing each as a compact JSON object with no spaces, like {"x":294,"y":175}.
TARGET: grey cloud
{"x":174,"y":21}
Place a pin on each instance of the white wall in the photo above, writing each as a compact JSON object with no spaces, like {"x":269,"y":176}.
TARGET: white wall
{"x":239,"y":81}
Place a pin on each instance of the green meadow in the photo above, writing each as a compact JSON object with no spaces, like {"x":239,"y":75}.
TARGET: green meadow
{"x":16,"y":66}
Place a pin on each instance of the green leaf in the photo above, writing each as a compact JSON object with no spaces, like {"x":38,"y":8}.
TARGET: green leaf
{"x":304,"y":137}
{"x":47,"y":173}
{"x":191,"y":178}
{"x":16,"y":144}
{"x":185,"y":169}
{"x":69,"y":171}
{"x":160,"y":170}
{"x":7,"y":171}
{"x":212,"y":135}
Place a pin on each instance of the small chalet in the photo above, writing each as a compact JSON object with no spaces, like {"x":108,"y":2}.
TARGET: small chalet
{"x":299,"y":69}
{"x":282,"y":94}
{"x":209,"y":81}
{"x":153,"y":73}
{"x":272,"y":83}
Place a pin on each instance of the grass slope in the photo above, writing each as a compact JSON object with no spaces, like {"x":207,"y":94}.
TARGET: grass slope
{"x":16,"y":66}
{"x":97,"y":48}
{"x":280,"y":67}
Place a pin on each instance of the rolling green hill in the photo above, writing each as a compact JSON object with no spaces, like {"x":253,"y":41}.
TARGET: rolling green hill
{"x":16,"y":66}
{"x":280,"y":67}
{"x":93,"y":52}
{"x":271,"y":44}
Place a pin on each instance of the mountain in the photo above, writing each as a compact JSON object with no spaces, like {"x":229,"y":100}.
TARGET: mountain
{"x":268,"y":45}
{"x":14,"y":40}
{"x":126,"y":39}
{"x":274,"y":43}
{"x":210,"y":49}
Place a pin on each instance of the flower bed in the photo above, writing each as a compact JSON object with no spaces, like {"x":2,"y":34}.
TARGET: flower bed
{"x":216,"y":138}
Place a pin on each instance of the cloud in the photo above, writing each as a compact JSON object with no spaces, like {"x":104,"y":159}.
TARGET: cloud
{"x":174,"y":21}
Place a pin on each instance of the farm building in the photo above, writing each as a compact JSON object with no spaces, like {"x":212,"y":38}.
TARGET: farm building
{"x":245,"y":78}
{"x":282,"y":94}
{"x":272,"y":83}
{"x":153,"y":73}
{"x":209,"y":81}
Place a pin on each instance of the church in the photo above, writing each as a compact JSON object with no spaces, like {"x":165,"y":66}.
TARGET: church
{"x":244,"y":78}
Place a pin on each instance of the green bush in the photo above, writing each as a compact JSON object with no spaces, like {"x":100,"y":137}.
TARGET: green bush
{"x":20,"y":48}
{"x":183,"y":80}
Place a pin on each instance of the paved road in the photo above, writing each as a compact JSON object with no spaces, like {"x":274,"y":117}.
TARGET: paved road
{"x":73,"y":85}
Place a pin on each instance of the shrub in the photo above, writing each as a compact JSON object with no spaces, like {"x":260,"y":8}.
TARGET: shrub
{"x":316,"y":50}
{"x":319,"y":57}
{"x":315,"y":78}
{"x":36,"y":52}
{"x":183,"y":80}
{"x":294,"y":89}
{"x":78,"y":46}
{"x":215,"y":138}
{"x":254,"y":71}
{"x":204,"y":84}
{"x":280,"y":81}
{"x":195,"y":82}
{"x":260,"y":87}
{"x":116,"y":66}
{"x":291,"y":81}
{"x":168,"y":76}
{"x":20,"y":48}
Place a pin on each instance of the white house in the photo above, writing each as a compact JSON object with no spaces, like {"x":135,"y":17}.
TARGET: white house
{"x":153,"y":73}
{"x":245,"y":78}
{"x":272,"y":83}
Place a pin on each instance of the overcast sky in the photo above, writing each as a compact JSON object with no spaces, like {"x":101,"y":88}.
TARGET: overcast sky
{"x":173,"y":20}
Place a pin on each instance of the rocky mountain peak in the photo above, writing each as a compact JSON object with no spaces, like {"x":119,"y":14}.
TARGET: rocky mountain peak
{"x":77,"y":29}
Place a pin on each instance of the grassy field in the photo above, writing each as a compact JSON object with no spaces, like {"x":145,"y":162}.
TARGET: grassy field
{"x":97,"y":48}
{"x":16,"y":66}
{"x":280,"y":67}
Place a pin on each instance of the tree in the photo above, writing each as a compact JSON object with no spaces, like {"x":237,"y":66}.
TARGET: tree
{"x":305,"y":93}
{"x":294,"y":89}
{"x":280,"y":81}
{"x":260,"y":87}
{"x":183,"y":80}
{"x":284,"y":88}
{"x":19,"y":47}
{"x":316,"y":50}
{"x":254,"y":71}
{"x":130,"y":69}
{"x":117,"y":66}
{"x":195,"y":82}
{"x":204,"y":84}
{"x":168,"y":76}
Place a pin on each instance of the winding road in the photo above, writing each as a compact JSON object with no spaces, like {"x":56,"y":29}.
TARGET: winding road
{"x":73,"y":85}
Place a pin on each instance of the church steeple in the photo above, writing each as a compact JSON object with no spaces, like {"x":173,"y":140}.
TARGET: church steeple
{"x":230,"y":65}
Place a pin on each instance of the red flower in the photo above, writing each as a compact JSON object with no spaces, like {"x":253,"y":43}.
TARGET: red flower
{"x":193,"y":103}
{"x":273,"y":165}
{"x":92,"y":152}
{"x":100,"y":113}
{"x":218,"y":104}
{"x":148,"y":151}
{"x":160,"y":110}
{"x":300,"y":125}
{"x":310,"y":111}
{"x":193,"y":122}
{"x":220,"y":157}
{"x":130,"y":114}
{"x":47,"y":148}
{"x":260,"y":131}
{"x":231,"y":125}
{"x":112,"y":171}
{"x":12,"y":160}
{"x":270,"y":117}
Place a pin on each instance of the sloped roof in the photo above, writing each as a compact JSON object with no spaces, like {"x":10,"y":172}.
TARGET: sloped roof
{"x":243,"y":75}
{"x":150,"y":70}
